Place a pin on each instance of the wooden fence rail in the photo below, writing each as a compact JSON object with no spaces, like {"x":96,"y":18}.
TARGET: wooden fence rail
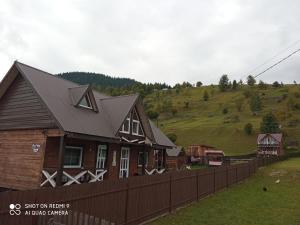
{"x":125,"y":201}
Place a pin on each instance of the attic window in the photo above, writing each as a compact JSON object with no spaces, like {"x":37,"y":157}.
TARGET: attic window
{"x":136,"y":125}
{"x":86,"y":102}
{"x":126,"y":126}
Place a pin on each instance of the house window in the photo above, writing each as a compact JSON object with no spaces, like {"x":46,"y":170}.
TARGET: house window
{"x":159,"y":159}
{"x":126,"y":126}
{"x":140,"y":159}
{"x":73,"y":157}
{"x":136,"y":125}
{"x":101,"y":156}
{"x":86,"y":102}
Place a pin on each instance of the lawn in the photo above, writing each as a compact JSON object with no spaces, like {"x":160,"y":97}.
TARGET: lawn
{"x":247,"y":203}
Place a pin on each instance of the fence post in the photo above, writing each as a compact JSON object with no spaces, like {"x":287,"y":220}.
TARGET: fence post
{"x":197,"y":179}
{"x":170,"y":199}
{"x":214,"y":180}
{"x":227,"y":175}
{"x":236,"y":174}
{"x":126,"y":201}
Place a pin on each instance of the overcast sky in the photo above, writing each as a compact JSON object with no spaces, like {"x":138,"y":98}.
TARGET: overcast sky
{"x":153,"y":41}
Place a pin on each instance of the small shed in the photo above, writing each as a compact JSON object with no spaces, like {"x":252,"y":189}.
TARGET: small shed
{"x":270,"y":144}
{"x":176,"y":158}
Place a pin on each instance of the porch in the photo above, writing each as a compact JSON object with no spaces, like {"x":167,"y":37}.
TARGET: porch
{"x":69,"y":160}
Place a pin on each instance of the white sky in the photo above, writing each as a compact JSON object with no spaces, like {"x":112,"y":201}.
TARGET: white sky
{"x":152,"y":41}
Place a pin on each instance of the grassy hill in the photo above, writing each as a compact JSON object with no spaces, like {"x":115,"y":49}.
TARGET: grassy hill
{"x":195,"y":121}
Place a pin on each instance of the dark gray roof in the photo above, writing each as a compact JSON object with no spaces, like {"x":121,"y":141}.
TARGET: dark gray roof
{"x":160,"y":137}
{"x":61,"y":95}
{"x":276,"y":136}
{"x":76,"y":93}
{"x":174,"y":151}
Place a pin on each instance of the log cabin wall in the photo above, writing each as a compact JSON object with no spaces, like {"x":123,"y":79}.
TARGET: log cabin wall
{"x":20,"y":166}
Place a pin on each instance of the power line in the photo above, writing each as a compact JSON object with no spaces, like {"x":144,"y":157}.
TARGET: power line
{"x":270,"y":59}
{"x":275,"y":64}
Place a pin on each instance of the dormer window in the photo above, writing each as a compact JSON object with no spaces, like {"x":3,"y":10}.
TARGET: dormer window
{"x":86,"y":102}
{"x":126,"y":126}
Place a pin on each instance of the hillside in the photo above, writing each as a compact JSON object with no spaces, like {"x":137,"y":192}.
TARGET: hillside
{"x":97,"y":79}
{"x":195,"y":121}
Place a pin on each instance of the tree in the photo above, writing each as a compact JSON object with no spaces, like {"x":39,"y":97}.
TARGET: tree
{"x":205,"y":95}
{"x":251,"y":80}
{"x":276,"y":84}
{"x":239,"y":104}
{"x":262,"y":85}
{"x":234,"y":85}
{"x":153,"y":115}
{"x":255,"y":103}
{"x":172,"y":137}
{"x":248,"y":128}
{"x":269,"y":124}
{"x":224,"y":83}
{"x":199,"y":84}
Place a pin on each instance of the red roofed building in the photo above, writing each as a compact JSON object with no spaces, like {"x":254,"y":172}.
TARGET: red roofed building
{"x":270,"y":144}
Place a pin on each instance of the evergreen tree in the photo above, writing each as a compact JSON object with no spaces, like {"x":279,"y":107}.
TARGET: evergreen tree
{"x":199,"y":84}
{"x":248,"y":128}
{"x":255,"y":103}
{"x":251,"y":80}
{"x":234,"y":85}
{"x":269,"y":124}
{"x":224,"y":83}
{"x":205,"y":95}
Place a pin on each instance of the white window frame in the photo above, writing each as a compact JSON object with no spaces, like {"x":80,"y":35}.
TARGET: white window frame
{"x":101,"y":160}
{"x":124,"y":162}
{"x":147,"y":159}
{"x":80,"y":160}
{"x":123,"y":126}
{"x":87,"y":97}
{"x":139,"y":126}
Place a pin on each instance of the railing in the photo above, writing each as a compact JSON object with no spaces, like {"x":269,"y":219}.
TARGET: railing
{"x":77,"y":179}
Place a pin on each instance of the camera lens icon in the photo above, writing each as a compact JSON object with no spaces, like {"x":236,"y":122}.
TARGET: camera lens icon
{"x":15,"y":209}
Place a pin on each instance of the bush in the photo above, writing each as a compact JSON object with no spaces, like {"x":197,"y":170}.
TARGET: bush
{"x":276,"y":84}
{"x":172,"y":137}
{"x":239,"y":104}
{"x":248,"y":128}
{"x":225,"y":111}
{"x":153,"y":115}
{"x":205,"y":96}
{"x":255,"y":103}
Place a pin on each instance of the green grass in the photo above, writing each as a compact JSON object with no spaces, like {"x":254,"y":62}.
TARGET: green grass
{"x":247,"y":203}
{"x":204,"y":123}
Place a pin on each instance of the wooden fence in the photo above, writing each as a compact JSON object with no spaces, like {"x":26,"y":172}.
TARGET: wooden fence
{"x":125,"y":201}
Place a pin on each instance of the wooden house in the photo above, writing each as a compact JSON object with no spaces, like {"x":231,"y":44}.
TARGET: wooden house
{"x":196,"y":152}
{"x":55,"y":132}
{"x":270,"y":144}
{"x":176,"y":158}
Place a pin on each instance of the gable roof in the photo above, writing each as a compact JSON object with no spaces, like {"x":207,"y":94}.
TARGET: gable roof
{"x":113,"y":105}
{"x":60,"y":96}
{"x":276,"y":136}
{"x":174,"y":151}
{"x":77,"y":93}
{"x":160,"y":137}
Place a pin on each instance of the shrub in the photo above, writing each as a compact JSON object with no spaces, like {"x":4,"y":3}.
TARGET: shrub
{"x":247,"y":93}
{"x":239,"y":104}
{"x":276,"y":84}
{"x":225,"y":111}
{"x":172,"y":137}
{"x":248,"y":128}
{"x":153,"y":115}
{"x":205,"y":95}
